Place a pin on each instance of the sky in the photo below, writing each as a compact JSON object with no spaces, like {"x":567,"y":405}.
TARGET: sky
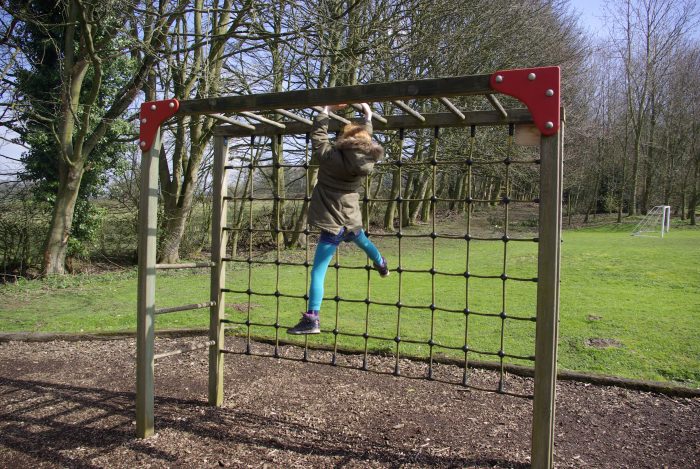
{"x":590,"y":17}
{"x":591,"y":13}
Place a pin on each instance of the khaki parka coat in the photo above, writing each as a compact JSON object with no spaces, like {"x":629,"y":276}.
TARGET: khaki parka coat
{"x":335,"y":202}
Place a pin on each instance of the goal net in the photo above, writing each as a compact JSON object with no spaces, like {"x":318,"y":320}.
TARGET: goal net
{"x":656,"y":222}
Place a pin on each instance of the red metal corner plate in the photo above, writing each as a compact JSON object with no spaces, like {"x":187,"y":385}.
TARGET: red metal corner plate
{"x":539,"y":89}
{"x":153,"y":114}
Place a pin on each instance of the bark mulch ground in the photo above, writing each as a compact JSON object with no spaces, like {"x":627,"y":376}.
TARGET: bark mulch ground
{"x":71,"y":404}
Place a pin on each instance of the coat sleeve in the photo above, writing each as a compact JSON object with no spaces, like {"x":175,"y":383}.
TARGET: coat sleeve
{"x":321,"y":149}
{"x":368,"y":127}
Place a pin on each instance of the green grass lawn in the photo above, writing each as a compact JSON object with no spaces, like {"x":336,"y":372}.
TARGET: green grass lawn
{"x":640,"y":296}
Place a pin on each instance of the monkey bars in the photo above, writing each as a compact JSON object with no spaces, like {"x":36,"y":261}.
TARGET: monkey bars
{"x":538,"y":88}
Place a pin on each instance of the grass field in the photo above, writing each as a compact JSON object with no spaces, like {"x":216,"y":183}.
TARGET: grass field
{"x":629,"y":306}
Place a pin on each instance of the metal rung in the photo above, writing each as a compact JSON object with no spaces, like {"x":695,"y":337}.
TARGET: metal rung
{"x":186,"y":307}
{"x":192,"y":265}
{"x":184,"y":350}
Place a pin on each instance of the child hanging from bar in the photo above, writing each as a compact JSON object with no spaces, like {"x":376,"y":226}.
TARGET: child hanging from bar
{"x":335,"y":202}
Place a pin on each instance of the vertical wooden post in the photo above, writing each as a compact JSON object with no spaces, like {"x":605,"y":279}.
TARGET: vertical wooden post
{"x":145,"y":310}
{"x":218,"y":273}
{"x":547,"y":301}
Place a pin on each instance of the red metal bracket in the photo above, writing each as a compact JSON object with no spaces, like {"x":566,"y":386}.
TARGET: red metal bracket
{"x":153,"y":114}
{"x":539,"y":89}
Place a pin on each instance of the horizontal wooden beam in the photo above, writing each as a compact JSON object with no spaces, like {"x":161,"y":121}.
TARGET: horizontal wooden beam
{"x":375,"y":92}
{"x":446,"y":119}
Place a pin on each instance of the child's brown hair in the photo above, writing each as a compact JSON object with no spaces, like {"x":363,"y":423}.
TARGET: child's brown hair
{"x":357,"y":131}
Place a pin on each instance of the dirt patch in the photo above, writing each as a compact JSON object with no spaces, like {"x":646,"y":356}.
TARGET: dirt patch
{"x":592,"y":317}
{"x":71,"y":404}
{"x":597,"y":342}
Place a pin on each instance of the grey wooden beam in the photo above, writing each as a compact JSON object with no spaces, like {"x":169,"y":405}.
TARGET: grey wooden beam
{"x":189,"y":265}
{"x":376,"y":92}
{"x":293,"y":116}
{"x":228,"y":120}
{"x":546,"y":331}
{"x":262,"y":119}
{"x":146,"y":290}
{"x":409,"y":110}
{"x":497,"y":105}
{"x":219,"y":240}
{"x":189,"y":307}
{"x":453,"y":109}
{"x":446,"y":119}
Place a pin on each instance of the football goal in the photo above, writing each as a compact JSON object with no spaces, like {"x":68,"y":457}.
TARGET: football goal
{"x":656,"y":221}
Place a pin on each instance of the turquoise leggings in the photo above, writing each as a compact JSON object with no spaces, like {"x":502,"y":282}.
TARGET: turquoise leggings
{"x":325,"y":249}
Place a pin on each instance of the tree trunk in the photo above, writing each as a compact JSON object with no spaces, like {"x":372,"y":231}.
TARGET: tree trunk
{"x":298,"y":238}
{"x":178,"y":205}
{"x":62,"y":219}
{"x":621,"y":200}
{"x":174,"y":228}
{"x":695,"y":194}
{"x":420,"y":193}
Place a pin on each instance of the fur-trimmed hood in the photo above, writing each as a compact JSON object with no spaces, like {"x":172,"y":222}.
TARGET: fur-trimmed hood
{"x":373,"y":150}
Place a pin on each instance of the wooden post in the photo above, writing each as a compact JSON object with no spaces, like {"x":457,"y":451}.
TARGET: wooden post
{"x":218,"y":273}
{"x":145,"y":309}
{"x":547,"y":302}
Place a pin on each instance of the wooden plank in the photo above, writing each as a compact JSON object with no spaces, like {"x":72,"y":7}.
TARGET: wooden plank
{"x":146,"y":289}
{"x":546,"y":333}
{"x":409,"y":110}
{"x":189,"y":307}
{"x":497,"y":105}
{"x":445,"y":119}
{"x":188,"y":265}
{"x":375,"y":92}
{"x":262,"y":119}
{"x":218,"y":273}
{"x":452,"y":108}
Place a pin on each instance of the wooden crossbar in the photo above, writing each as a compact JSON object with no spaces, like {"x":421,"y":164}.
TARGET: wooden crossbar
{"x":375,"y":92}
{"x":446,"y":119}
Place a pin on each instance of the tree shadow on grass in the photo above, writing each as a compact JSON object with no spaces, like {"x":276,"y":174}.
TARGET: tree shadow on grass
{"x":72,"y":426}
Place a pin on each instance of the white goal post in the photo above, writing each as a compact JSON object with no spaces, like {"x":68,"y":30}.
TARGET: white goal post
{"x":657,"y":220}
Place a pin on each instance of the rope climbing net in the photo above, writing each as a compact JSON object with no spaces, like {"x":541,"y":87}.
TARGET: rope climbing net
{"x":442,"y":298}
{"x":371,"y":316}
